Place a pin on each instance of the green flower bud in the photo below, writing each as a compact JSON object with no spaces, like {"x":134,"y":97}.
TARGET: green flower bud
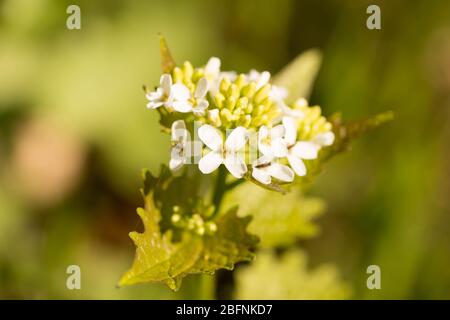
{"x":224,"y":85}
{"x":248,"y":90}
{"x":230,"y":103}
{"x":240,"y":81}
{"x":261,"y":94}
{"x":188,"y":71}
{"x":233,"y":91}
{"x":226,"y":116}
{"x":177,"y":75}
{"x":218,"y":100}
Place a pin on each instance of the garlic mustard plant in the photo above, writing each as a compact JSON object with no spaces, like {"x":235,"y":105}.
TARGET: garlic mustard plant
{"x":226,"y":128}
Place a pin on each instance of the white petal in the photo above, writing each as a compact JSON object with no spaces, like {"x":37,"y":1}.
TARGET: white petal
{"x":305,"y":150}
{"x":202,"y":88}
{"x":230,"y":75}
{"x":154,"y":105}
{"x":179,"y":92}
{"x":278,"y":93}
{"x":261,"y":175}
{"x":179,"y":132}
{"x":210,"y":162}
{"x":237,"y":139}
{"x":175,"y":164}
{"x":201,"y":106}
{"x":182,"y":106}
{"x":279,"y":148}
{"x":264,"y":147}
{"x":263,"y":133}
{"x":288,"y":111}
{"x":277,"y":131}
{"x":325,"y":139}
{"x":166,"y":83}
{"x":212,"y":66}
{"x":301,"y":102}
{"x":155,"y":95}
{"x":253,"y":75}
{"x":263,"y":79}
{"x":291,"y":130}
{"x":211,"y":137}
{"x":281,"y":172}
{"x":177,"y":157}
{"x":297,"y":164}
{"x":262,"y":160}
{"x":235,"y":164}
{"x":214,"y":113}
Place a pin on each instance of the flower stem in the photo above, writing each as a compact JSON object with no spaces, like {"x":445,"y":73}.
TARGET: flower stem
{"x":220,"y":189}
{"x":207,"y":287}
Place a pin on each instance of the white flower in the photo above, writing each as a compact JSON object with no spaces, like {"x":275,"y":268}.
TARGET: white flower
{"x":278,"y":93}
{"x":212,"y":68}
{"x":215,"y":76}
{"x":261,"y":78}
{"x":298,"y":150}
{"x":162,"y":95}
{"x":271,"y":142}
{"x":265,"y":168}
{"x":324,"y":139}
{"x":184,"y":102}
{"x":180,"y":145}
{"x":227,"y":153}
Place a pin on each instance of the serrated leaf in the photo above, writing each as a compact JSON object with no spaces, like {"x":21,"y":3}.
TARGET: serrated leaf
{"x":229,"y":245}
{"x":299,"y":75}
{"x":157,"y":258}
{"x":278,"y":220}
{"x":161,"y":257}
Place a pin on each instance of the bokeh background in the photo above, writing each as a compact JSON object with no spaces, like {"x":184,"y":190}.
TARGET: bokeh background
{"x":74,"y":134}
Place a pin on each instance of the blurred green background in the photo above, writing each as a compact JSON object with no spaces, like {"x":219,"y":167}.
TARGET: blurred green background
{"x":74,"y":134}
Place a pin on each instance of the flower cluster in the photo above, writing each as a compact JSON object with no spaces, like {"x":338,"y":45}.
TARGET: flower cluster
{"x":236,"y":112}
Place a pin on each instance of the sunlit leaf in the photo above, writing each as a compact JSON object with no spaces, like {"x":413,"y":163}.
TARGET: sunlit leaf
{"x":162,"y":257}
{"x":157,"y":258}
{"x":299,"y":75}
{"x":278,"y":220}
{"x":287,"y":277}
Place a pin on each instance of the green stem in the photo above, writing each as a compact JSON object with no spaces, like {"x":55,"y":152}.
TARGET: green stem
{"x":207,"y":283}
{"x":207,"y":287}
{"x":220,"y":189}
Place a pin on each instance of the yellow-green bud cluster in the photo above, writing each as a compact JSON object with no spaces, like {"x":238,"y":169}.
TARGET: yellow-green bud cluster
{"x":238,"y":103}
{"x":241,"y":103}
{"x":187,"y":75}
{"x":312,"y":123}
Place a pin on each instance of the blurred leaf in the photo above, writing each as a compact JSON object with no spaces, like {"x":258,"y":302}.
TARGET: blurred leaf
{"x":299,"y":75}
{"x":288,"y":278}
{"x":161,"y":258}
{"x":279,"y":220}
{"x":167,"y":62}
